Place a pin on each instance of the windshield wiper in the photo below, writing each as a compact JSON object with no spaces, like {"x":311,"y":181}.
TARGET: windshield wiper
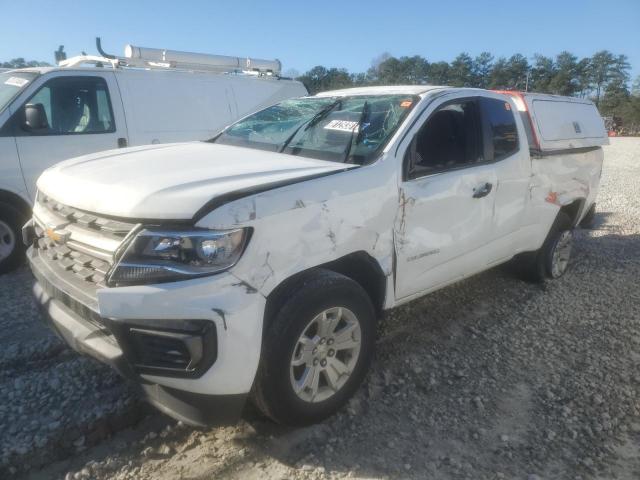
{"x":356,"y":139}
{"x":314,"y":120}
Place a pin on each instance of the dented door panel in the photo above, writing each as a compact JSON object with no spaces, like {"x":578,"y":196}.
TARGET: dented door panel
{"x":441,"y":228}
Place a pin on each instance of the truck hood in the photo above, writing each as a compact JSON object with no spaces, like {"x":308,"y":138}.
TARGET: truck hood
{"x":171,"y":181}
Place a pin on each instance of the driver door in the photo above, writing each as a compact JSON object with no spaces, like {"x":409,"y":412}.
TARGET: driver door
{"x":81,"y":114}
{"x":446,"y":200}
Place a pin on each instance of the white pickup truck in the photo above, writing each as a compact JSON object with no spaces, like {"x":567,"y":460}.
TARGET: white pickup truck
{"x":255,"y":264}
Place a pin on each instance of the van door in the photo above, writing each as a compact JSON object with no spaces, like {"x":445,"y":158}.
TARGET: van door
{"x":10,"y":172}
{"x":69,"y":114}
{"x":446,"y":201}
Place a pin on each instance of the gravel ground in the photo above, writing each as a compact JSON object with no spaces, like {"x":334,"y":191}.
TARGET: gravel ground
{"x":490,"y":378}
{"x":54,"y":402}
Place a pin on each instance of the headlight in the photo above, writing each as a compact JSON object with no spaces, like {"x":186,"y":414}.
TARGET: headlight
{"x":155,"y":256}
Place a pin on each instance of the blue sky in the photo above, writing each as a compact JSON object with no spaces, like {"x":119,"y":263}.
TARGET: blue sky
{"x":303,"y":34}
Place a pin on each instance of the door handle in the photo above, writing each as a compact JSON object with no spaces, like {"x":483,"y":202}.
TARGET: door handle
{"x":122,"y":142}
{"x":483,"y":190}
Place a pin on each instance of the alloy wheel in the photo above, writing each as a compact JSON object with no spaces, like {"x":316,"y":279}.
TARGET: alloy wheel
{"x":561,"y":254}
{"x":325,"y":354}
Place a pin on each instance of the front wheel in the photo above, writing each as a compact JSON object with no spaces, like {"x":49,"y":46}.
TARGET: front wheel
{"x":317,"y":350}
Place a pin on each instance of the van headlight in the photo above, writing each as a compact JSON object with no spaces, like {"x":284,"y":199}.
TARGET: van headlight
{"x":156,"y":256}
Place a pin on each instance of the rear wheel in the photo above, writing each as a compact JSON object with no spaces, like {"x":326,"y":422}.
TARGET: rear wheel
{"x":317,"y":351}
{"x":11,"y":247}
{"x":552,"y":259}
{"x":559,"y":254}
{"x":589,"y":220}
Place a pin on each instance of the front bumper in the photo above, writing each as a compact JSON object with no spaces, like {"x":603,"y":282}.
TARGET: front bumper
{"x":205,"y":397}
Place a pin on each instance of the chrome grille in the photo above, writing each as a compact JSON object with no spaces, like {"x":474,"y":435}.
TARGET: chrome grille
{"x":87,"y":312}
{"x":78,"y":245}
{"x":84,"y":266}
{"x":114,"y":229}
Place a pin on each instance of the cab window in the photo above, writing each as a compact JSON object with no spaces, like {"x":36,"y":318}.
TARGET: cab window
{"x":450,"y":139}
{"x":71,"y":105}
{"x":501,"y":129}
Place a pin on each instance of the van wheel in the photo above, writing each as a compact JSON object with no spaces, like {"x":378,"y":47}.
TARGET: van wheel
{"x":11,"y":247}
{"x":317,"y":350}
{"x":552,"y":259}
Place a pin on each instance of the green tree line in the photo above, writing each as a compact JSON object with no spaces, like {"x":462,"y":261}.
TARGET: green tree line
{"x":22,"y":63}
{"x":604,"y":77}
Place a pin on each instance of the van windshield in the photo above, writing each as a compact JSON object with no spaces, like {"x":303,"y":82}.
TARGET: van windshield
{"x":12,"y":83}
{"x":340,"y":129}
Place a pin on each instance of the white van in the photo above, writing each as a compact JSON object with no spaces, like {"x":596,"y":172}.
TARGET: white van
{"x":256,"y":264}
{"x":54,"y":113}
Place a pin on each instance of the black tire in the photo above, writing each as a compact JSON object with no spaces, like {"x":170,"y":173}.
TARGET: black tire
{"x":589,"y":220}
{"x":14,"y":220}
{"x":273,"y":391}
{"x":538,"y":266}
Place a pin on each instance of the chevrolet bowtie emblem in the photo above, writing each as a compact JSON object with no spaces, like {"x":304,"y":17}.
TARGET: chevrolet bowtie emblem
{"x":58,"y":236}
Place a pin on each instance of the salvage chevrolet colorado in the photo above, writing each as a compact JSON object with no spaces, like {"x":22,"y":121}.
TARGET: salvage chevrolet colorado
{"x":255,"y":265}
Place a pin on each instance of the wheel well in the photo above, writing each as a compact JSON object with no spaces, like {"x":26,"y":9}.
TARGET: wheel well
{"x":15,"y":201}
{"x":358,"y":266}
{"x":573,"y":210}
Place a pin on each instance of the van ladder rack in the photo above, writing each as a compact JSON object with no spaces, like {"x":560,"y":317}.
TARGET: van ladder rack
{"x":160,"y":59}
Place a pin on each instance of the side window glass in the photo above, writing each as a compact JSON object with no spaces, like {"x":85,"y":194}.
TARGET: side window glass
{"x":104,"y":108}
{"x":449,"y":139}
{"x":75,"y":105}
{"x":501,"y":128}
{"x":43,"y":97}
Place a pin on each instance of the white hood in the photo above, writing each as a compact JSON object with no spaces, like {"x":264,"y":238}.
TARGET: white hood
{"x":170,"y":181}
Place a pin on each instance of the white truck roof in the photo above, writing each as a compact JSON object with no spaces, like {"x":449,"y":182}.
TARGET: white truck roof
{"x":382,"y":90}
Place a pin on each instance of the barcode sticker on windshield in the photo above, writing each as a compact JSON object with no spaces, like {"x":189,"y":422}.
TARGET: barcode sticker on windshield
{"x":342,"y":125}
{"x":16,"y":82}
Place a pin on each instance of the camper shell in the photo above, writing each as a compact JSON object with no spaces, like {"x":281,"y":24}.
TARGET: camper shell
{"x":555,"y":123}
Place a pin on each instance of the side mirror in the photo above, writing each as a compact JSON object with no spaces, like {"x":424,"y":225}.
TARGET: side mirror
{"x":35,"y":117}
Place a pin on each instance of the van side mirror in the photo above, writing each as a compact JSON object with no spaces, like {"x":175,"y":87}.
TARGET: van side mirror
{"x":35,"y":117}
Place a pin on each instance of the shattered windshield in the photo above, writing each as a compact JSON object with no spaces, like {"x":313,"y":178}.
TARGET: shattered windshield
{"x":340,"y":129}
{"x":12,"y":83}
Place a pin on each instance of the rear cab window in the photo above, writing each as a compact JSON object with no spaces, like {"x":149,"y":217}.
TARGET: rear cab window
{"x":500,"y":129}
